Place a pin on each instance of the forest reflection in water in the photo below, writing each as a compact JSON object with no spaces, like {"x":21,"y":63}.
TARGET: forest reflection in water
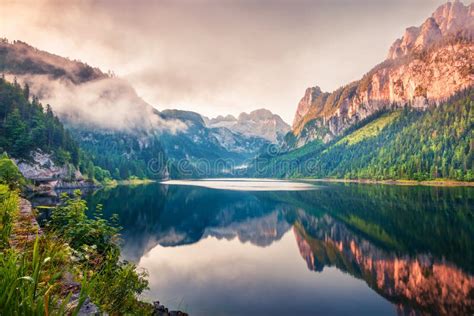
{"x":412,"y":245}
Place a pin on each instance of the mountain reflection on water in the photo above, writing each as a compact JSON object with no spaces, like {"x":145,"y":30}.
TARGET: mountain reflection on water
{"x":411,"y":245}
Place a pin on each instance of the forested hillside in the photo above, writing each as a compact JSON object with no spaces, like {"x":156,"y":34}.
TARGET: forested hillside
{"x":398,"y":144}
{"x":26,"y":126}
{"x":123,"y":155}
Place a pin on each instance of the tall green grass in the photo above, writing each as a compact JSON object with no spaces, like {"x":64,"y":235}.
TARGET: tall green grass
{"x":8,"y":207}
{"x":30,"y":283}
{"x":32,"y":280}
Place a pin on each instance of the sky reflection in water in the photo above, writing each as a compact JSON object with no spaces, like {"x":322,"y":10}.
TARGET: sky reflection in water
{"x":342,"y":249}
{"x":225,"y":277}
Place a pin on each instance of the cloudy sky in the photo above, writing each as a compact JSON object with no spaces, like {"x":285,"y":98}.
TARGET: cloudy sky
{"x":219,"y":56}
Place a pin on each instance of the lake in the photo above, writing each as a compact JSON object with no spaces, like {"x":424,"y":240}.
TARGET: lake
{"x":240,"y":247}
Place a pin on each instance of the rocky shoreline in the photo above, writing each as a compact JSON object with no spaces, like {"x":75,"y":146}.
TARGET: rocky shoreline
{"x":50,"y":187}
{"x":46,"y":176}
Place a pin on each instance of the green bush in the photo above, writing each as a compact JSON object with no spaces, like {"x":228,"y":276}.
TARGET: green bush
{"x":114,"y":285}
{"x":70,"y":221}
{"x":9,"y":173}
{"x":8,"y":208}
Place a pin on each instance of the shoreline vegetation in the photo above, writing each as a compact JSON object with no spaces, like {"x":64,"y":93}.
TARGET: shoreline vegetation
{"x":407,"y":182}
{"x":433,"y":183}
{"x":68,"y":265}
{"x":114,"y":183}
{"x":74,"y":263}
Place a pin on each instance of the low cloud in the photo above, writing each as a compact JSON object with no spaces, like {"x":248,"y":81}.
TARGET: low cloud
{"x":109,"y":103}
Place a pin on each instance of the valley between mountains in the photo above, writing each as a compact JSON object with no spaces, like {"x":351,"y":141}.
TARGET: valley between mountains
{"x":408,"y":118}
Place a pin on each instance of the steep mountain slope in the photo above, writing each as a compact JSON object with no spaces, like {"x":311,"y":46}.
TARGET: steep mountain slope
{"x":259,"y":123}
{"x":411,"y":117}
{"x":391,"y":144}
{"x":119,"y":130}
{"x":426,"y":66}
{"x":26,"y":126}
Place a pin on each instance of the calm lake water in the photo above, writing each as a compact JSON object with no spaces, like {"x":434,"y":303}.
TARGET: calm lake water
{"x":278,"y":248}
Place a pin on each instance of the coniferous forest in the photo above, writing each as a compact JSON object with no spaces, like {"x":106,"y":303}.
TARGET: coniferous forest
{"x":405,"y":144}
{"x":437,"y":143}
{"x":27,"y":126}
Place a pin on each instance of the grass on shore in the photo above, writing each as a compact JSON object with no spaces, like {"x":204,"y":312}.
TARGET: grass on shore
{"x":76,"y":257}
{"x":133,"y":181}
{"x":434,"y":182}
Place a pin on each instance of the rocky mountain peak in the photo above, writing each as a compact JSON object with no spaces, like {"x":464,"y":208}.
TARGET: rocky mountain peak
{"x":450,"y":19}
{"x":229,"y":118}
{"x":430,"y":32}
{"x":258,"y":123}
{"x":454,"y":16}
{"x":257,"y":115}
{"x":305,"y":103}
{"x":427,"y":65}
{"x":221,"y":118}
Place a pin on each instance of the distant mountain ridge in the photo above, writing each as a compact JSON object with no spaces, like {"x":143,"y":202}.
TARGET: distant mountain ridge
{"x":427,"y":65}
{"x":208,"y":151}
{"x":259,"y":123}
{"x":57,"y":80}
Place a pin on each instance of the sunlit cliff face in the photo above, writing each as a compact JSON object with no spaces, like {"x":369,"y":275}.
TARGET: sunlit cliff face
{"x":417,"y":283}
{"x":427,"y":65}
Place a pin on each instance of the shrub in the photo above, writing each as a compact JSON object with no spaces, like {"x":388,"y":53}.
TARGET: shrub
{"x":114,"y":285}
{"x":30,"y":282}
{"x":8,"y":208}
{"x":9,"y":173}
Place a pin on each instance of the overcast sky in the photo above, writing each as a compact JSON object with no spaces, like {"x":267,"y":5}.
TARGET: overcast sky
{"x":219,"y":56}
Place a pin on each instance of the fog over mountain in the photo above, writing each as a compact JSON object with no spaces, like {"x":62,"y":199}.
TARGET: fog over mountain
{"x":80,"y":94}
{"x":248,"y":54}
